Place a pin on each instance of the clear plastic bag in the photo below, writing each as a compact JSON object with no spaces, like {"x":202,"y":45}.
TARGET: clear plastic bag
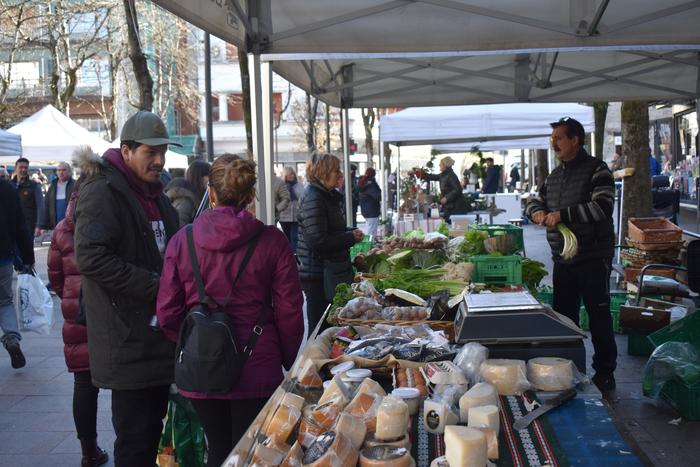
{"x":469,"y":360}
{"x":509,"y":377}
{"x":672,"y":360}
{"x":553,"y":373}
{"x":405,"y":313}
{"x":361,"y":308}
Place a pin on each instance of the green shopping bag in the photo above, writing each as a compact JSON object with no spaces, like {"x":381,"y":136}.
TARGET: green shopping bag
{"x":183,"y":435}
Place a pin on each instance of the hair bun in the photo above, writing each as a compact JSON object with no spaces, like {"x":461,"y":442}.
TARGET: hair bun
{"x":233,"y":179}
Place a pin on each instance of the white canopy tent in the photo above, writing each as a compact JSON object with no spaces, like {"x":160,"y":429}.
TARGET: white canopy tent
{"x":504,"y":145}
{"x":407,"y":53}
{"x":10,"y":147}
{"x":48,"y":135}
{"x":478,"y":123}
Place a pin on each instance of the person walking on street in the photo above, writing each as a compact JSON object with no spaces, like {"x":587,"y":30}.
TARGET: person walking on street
{"x":452,"y":201}
{"x":57,"y":197}
{"x":65,"y":280}
{"x":15,"y":240}
{"x":370,"y":200}
{"x":123,"y":222}
{"x":270,"y":280}
{"x":514,"y":178}
{"x":288,"y":217}
{"x":281,"y":194}
{"x":324,"y":239}
{"x":579,"y":193}
{"x":31,"y":196}
{"x":492,"y":179}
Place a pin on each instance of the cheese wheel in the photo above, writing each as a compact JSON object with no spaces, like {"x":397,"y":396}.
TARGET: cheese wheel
{"x":365,"y":406}
{"x":370,"y":386}
{"x":465,"y":447}
{"x":293,"y":400}
{"x":491,"y":442}
{"x":385,"y":456}
{"x":354,"y":428}
{"x":282,"y":423}
{"x":308,"y":375}
{"x":331,"y":449}
{"x":439,"y":462}
{"x":338,"y":390}
{"x":294,"y":456}
{"x":486,"y":416}
{"x":267,"y":456}
{"x":371,"y":442}
{"x":480,"y":394}
{"x":509,"y":377}
{"x":392,"y":419}
{"x":327,"y":414}
{"x":309,"y":429}
{"x":551,"y":373}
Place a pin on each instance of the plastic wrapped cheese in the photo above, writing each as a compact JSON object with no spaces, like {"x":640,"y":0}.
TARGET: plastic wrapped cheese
{"x":385,"y":456}
{"x":282,"y":423}
{"x":331,"y":449}
{"x":491,"y":442}
{"x":337,"y":389}
{"x":267,"y":456}
{"x":293,"y":400}
{"x":551,"y":373}
{"x":354,"y":428}
{"x":365,"y":405}
{"x":371,"y":442}
{"x":392,"y":419}
{"x":509,"y":377}
{"x":309,"y":428}
{"x":308,"y":374}
{"x":370,"y":386}
{"x":294,"y":456}
{"x":480,"y":394}
{"x":437,"y":415}
{"x":439,"y":462}
{"x":465,"y":447}
{"x":486,"y":416}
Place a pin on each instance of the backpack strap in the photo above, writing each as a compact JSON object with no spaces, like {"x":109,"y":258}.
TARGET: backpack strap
{"x":203,"y":297}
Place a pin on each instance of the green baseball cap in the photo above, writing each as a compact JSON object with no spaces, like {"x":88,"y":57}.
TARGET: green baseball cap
{"x":146,"y":128}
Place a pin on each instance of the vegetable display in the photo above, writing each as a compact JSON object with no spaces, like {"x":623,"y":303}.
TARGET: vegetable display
{"x":570,"y":242}
{"x":533,"y":273}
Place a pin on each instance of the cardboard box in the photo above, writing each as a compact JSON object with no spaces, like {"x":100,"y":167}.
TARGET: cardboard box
{"x":644,"y":319}
{"x":459,"y":221}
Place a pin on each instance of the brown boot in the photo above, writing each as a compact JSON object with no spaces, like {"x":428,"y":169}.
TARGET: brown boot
{"x":93,"y":455}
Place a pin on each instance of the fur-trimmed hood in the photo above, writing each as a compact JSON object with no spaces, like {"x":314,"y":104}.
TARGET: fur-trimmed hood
{"x":89,"y":163}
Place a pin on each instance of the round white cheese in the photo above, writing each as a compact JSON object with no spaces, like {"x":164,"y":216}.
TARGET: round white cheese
{"x":551,"y":373}
{"x":509,"y":377}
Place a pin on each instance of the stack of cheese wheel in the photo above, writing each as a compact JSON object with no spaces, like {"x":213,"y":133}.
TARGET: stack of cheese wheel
{"x":331,"y":449}
{"x":385,"y":456}
{"x":392,"y":419}
{"x":509,"y":377}
{"x":551,"y":373}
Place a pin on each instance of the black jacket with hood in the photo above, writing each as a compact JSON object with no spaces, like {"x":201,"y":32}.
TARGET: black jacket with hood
{"x":120,"y":265}
{"x":451,"y":189}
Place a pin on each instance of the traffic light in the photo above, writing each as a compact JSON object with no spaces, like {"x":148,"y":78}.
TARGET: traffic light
{"x":352,"y":147}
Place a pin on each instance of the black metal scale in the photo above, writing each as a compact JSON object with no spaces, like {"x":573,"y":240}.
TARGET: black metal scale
{"x":516,"y":325}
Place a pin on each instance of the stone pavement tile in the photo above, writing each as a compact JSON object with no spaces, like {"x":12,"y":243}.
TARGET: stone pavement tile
{"x":37,"y":388}
{"x":44,"y":404}
{"x":628,"y":391}
{"x":34,"y":373}
{"x":6,"y":402}
{"x":674,"y":453}
{"x":661,"y":430}
{"x":37,"y":460}
{"x":38,"y":442}
{"x":105,"y":439}
{"x":642,"y":409}
{"x":36,"y":421}
{"x":53,"y":362}
{"x":635,"y":430}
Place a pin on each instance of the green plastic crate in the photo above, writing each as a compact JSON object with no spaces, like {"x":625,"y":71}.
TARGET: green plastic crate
{"x":502,"y":229}
{"x":683,"y":330}
{"x":364,"y":246}
{"x":638,"y":344}
{"x":685,"y":399}
{"x":498,"y":269}
{"x":617,"y":299}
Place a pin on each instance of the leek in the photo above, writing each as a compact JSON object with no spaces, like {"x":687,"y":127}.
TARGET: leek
{"x":570,"y":242}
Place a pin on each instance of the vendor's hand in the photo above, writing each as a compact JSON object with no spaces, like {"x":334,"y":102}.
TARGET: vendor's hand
{"x":539,"y":217}
{"x":552,"y":219}
{"x":358,"y":234}
{"x":443,"y":200}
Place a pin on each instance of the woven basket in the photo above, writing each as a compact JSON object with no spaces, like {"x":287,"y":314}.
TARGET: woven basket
{"x":447,"y":326}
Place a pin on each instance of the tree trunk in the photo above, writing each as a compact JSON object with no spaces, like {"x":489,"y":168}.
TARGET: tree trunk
{"x":600,"y":111}
{"x":138,"y":58}
{"x":635,"y":150}
{"x":542,"y":169}
{"x":368,"y":119}
{"x":311,"y":116}
{"x":245,"y":90}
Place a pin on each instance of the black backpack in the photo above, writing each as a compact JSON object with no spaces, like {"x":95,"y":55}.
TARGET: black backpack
{"x":206,"y":358}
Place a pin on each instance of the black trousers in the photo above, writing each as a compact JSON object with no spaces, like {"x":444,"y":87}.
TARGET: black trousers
{"x":137,"y":417}
{"x":316,"y":302}
{"x":85,"y":405}
{"x":224,"y":423}
{"x":589,"y":280}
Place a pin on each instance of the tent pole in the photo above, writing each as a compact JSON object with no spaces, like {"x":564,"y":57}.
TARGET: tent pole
{"x":261,"y":117}
{"x":346,"y":168}
{"x":382,"y":176}
{"x":398,"y":179}
{"x":207,"y":98}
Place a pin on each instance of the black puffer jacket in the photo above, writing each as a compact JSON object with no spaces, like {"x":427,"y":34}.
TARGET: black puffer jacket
{"x":322,"y":231}
{"x":450,"y":189}
{"x":583,"y":190}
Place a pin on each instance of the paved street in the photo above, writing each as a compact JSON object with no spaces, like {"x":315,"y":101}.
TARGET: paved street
{"x":36,"y":424}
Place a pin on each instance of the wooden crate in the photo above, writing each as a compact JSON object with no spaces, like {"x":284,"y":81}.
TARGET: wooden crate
{"x":653,"y":230}
{"x":632,"y":274}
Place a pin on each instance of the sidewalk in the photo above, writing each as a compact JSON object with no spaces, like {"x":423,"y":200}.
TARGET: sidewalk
{"x":36,"y":423}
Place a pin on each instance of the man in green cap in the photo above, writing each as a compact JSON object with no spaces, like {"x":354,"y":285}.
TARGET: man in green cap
{"x":122,"y":224}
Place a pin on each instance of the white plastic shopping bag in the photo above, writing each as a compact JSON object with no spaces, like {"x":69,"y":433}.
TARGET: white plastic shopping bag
{"x":34,"y":305}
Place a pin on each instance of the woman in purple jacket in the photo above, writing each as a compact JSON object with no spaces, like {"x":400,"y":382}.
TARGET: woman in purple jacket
{"x":271,"y":278}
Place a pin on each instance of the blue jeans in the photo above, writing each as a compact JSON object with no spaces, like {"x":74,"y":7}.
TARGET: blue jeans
{"x":8,"y":317}
{"x":291,"y":230}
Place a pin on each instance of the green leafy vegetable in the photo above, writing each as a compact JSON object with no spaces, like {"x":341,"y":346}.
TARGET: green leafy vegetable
{"x":533,"y":273}
{"x":418,"y":233}
{"x":422,"y":282}
{"x":570,"y":242}
{"x":425,"y":259}
{"x":443,"y":228}
{"x":473,"y":243}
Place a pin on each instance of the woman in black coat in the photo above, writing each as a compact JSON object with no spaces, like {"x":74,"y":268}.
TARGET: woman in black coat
{"x":324,"y":238}
{"x":452,"y":200}
{"x":370,"y":200}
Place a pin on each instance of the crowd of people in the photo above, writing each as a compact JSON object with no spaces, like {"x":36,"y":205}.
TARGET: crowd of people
{"x":121,"y":264}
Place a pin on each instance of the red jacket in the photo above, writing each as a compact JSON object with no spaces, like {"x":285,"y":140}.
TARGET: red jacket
{"x":271,"y":278}
{"x":65,"y":280}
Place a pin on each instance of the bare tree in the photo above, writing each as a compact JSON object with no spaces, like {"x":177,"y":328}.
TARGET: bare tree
{"x":13,"y":17}
{"x":600,"y":111}
{"x":138,"y":59}
{"x":368,"y":119}
{"x":635,"y":149}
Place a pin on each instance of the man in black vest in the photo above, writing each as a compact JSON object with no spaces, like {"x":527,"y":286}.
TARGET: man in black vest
{"x":580,"y":194}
